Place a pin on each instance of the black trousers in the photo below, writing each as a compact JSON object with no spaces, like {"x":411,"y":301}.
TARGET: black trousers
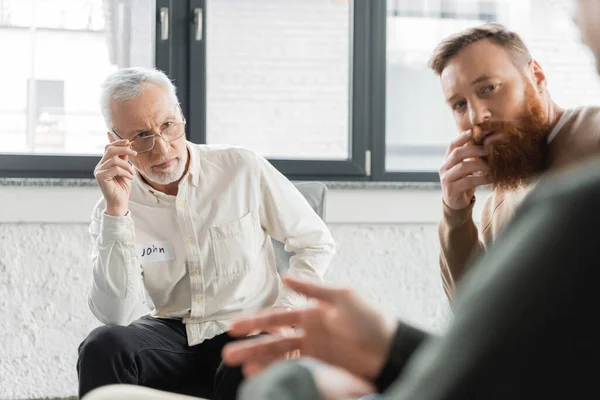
{"x":154,"y":353}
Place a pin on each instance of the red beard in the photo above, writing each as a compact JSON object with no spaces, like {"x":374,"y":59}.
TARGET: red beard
{"x":523,"y":153}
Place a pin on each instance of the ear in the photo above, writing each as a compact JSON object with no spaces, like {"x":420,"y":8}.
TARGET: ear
{"x":538,"y":75}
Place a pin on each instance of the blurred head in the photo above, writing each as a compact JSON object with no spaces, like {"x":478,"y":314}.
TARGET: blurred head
{"x":587,"y":17}
{"x":137,"y":103}
{"x":494,"y":87}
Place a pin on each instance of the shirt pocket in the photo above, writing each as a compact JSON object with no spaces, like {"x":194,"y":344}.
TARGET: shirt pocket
{"x":234,"y":246}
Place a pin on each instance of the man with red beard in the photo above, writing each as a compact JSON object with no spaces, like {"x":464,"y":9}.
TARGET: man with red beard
{"x":512,"y":133}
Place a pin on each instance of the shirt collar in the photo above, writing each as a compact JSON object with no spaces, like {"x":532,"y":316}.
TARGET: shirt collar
{"x":560,"y":124}
{"x":194,"y":167}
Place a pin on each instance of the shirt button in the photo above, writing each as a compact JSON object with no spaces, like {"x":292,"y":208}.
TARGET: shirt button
{"x":196,"y":272}
{"x":181,"y":205}
{"x":190,"y":240}
{"x":198,"y":299}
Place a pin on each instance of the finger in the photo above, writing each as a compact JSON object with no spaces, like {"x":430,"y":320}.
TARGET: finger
{"x":242,"y":352}
{"x":280,"y":331}
{"x":111,"y":173}
{"x":460,"y":140}
{"x":124,"y":143}
{"x":460,"y":154}
{"x":315,"y":291}
{"x":259,"y":349}
{"x":120,"y":142}
{"x":464,"y":169}
{"x":292,"y":355}
{"x":471,"y":182}
{"x":116,"y":162}
{"x":112,"y":151}
{"x":286,"y":331}
{"x":266,"y":321}
{"x":122,"y":153}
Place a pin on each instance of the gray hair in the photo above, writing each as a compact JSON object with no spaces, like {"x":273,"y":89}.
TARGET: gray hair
{"x":126,"y":84}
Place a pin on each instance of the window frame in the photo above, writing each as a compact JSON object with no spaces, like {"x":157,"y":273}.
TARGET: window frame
{"x":378,"y":86}
{"x":181,"y":53}
{"x":170,"y":56}
{"x":353,"y":168}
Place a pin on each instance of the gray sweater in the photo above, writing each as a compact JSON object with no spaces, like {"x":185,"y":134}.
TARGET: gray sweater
{"x":523,"y":314}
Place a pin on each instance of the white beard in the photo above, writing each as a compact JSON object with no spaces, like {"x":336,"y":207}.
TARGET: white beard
{"x":165,"y":177}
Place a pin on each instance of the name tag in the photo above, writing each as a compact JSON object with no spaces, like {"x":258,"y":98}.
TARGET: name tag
{"x":154,"y":252}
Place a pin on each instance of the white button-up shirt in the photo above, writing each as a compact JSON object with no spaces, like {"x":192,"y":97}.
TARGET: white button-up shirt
{"x":205,"y":255}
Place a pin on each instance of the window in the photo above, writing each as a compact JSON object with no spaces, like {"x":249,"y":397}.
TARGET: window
{"x":278,"y":77}
{"x":325,"y":89}
{"x":60,"y":52}
{"x":418,"y":124}
{"x":45,"y":119}
{"x":285,"y":78}
{"x":281,"y":77}
{"x":441,"y":9}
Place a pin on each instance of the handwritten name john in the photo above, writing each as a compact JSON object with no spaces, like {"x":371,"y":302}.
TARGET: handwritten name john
{"x":152,"y":250}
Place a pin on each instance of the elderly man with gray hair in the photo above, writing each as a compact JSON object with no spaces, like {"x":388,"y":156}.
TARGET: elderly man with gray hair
{"x":182,"y":244}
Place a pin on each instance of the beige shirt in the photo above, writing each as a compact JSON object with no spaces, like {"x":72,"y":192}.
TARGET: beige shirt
{"x":575,"y":138}
{"x":205,"y":255}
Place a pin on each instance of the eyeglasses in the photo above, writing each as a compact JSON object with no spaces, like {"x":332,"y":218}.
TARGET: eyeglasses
{"x":142,"y":144}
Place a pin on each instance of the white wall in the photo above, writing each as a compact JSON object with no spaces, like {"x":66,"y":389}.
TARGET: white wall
{"x":387,"y":250}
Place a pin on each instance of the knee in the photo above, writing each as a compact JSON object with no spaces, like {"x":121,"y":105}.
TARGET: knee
{"x":105,"y":342}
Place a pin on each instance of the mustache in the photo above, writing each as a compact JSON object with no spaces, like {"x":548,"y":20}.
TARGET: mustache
{"x":159,"y":162}
{"x":479,"y":131}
